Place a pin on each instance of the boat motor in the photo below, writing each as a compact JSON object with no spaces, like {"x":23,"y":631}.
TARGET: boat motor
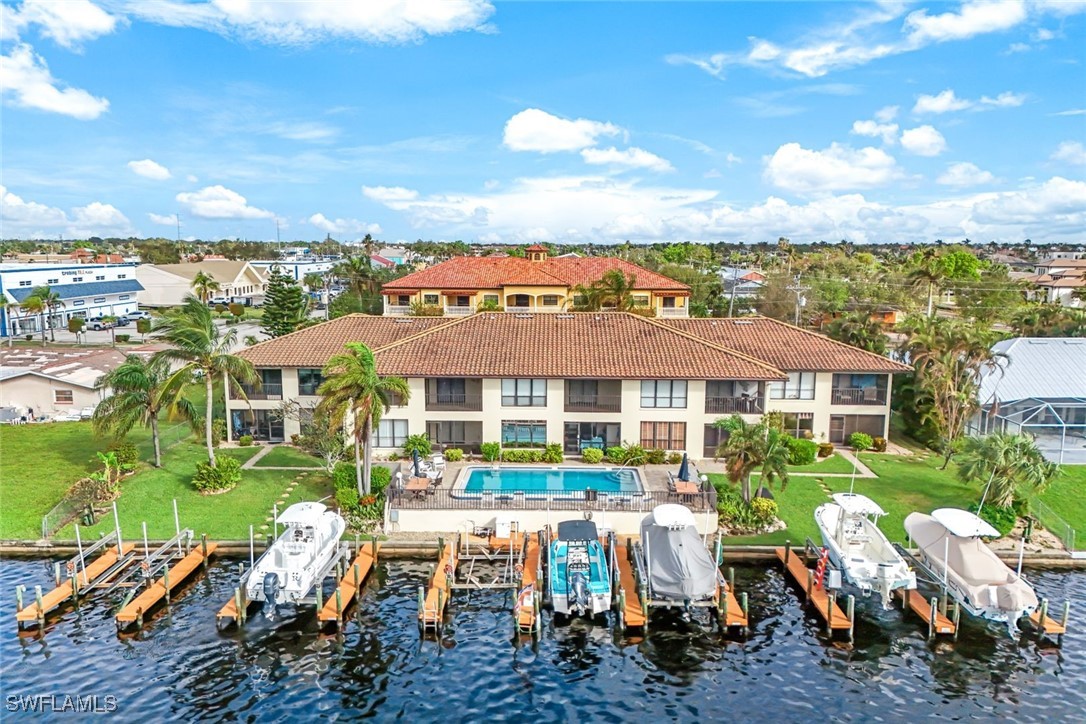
{"x":579,"y":598}
{"x":271,"y":587}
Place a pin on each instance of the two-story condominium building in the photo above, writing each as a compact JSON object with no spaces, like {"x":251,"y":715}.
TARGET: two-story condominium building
{"x":536,"y":283}
{"x":581,"y":379}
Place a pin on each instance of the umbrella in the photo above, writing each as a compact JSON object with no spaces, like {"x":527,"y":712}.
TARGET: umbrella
{"x":684,"y":468}
{"x":415,"y":462}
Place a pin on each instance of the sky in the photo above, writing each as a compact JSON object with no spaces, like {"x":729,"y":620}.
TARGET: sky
{"x":556,"y":121}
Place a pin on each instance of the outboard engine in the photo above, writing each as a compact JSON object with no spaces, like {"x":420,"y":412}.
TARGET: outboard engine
{"x":271,"y":588}
{"x":578,"y":593}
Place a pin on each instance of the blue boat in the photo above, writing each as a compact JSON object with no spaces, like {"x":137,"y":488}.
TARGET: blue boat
{"x":578,"y":575}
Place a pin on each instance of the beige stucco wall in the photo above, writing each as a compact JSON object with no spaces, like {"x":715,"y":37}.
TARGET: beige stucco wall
{"x":30,"y":391}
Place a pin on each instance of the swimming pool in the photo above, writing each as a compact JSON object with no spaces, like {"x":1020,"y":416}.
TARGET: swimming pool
{"x":476,"y":480}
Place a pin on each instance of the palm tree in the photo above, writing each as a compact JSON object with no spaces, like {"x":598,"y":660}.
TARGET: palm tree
{"x":140,"y":393}
{"x":927,"y":274}
{"x":51,"y":300}
{"x":318,"y":282}
{"x":201,"y":348}
{"x":859,"y":330}
{"x":753,"y":447}
{"x":1006,"y":464}
{"x":34,"y":305}
{"x":352,"y":387}
{"x":586,"y":298}
{"x":357,"y":272}
{"x":204,"y":284}
{"x":617,"y":289}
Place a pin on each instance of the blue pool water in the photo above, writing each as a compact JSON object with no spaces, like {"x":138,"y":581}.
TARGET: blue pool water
{"x":546,"y":480}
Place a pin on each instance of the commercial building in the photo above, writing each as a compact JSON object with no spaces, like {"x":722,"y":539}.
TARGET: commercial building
{"x":85,"y":290}
{"x":536,"y":283}
{"x":166,"y":285}
{"x":581,"y":379}
{"x":297,"y":268}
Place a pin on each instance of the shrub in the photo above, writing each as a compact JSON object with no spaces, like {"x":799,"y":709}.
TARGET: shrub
{"x":859,"y":441}
{"x":523,"y":456}
{"x":1002,"y":519}
{"x":764,"y":510}
{"x":825,"y":449}
{"x":418,"y":309}
{"x":347,"y":499}
{"x":878,"y":444}
{"x":143,"y":326}
{"x":380,"y":477}
{"x":93,"y":489}
{"x":343,"y":476}
{"x":123,"y":338}
{"x":128,"y":455}
{"x":774,"y":420}
{"x":238,"y":310}
{"x":218,"y":479}
{"x":220,"y":309}
{"x":553,"y":453}
{"x":76,"y":324}
{"x":674,"y":458}
{"x":218,"y":431}
{"x":801,"y":452}
{"x":245,"y":440}
{"x":490,"y":451}
{"x":454,"y":455}
{"x":616,"y":454}
{"x":419,"y":443}
{"x":656,"y":456}
{"x":592,"y":455}
{"x":635,"y":455}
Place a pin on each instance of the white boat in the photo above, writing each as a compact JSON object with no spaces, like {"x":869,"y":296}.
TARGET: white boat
{"x":298,"y":559}
{"x":950,"y":544}
{"x":677,"y":564}
{"x":856,"y":546}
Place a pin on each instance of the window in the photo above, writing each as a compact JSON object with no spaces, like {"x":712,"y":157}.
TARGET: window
{"x":800,"y":386}
{"x":520,"y":300}
{"x":63,"y":397}
{"x":79,"y":302}
{"x":641,"y":300}
{"x":429,"y":299}
{"x":663,"y":393}
{"x":123,"y":297}
{"x":77,"y":279}
{"x":24,"y":284}
{"x":403,"y":300}
{"x":524,"y":433}
{"x":99,"y":300}
{"x":663,"y":435}
{"x":524,"y":393}
{"x":799,"y":424}
{"x":668,"y":302}
{"x":122,"y":276}
{"x":100,"y":278}
{"x":550,"y":300}
{"x":490,"y":299}
{"x":52,"y":281}
{"x":308,"y":381}
{"x":391,"y":433}
{"x":462,"y":301}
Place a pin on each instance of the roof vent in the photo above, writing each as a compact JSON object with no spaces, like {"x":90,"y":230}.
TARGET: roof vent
{"x":525,"y":316}
{"x":743,"y":321}
{"x":404,"y":321}
{"x":564,"y":316}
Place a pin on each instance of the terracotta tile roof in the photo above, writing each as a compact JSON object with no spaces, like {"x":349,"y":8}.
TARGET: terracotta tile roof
{"x":491,"y":272}
{"x":785,"y":346}
{"x":313,"y":346}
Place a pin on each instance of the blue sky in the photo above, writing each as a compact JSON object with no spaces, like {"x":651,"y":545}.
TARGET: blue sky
{"x":512,"y":121}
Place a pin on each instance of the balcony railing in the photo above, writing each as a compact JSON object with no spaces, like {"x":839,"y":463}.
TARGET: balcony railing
{"x":459,"y":311}
{"x":858,"y":396}
{"x":594,"y":403}
{"x":267,"y":391}
{"x":454,"y":402}
{"x":674,"y":312}
{"x":730,"y":405}
{"x":397,"y":310}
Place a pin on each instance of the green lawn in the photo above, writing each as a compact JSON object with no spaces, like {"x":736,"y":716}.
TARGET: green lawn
{"x":285,"y":456}
{"x":832,"y":464}
{"x":796,"y":508}
{"x":148,"y":496}
{"x":1067,"y":497}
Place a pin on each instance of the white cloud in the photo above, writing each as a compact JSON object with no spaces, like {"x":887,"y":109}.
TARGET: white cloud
{"x":886,"y":114}
{"x":30,"y":219}
{"x":1058,"y":201}
{"x":923,"y":141}
{"x":342,"y":226}
{"x":27,"y":83}
{"x":304,"y":23}
{"x":886,"y":131}
{"x":1003,"y":100}
{"x":976,"y":18}
{"x":1017,"y":48}
{"x":68,"y":23}
{"x":1071,"y":152}
{"x":164,"y":219}
{"x":947,"y":101}
{"x":1071,"y":112}
{"x":732,"y":159}
{"x":964,"y":174}
{"x":301,"y":131}
{"x":536,"y":130}
{"x":632,"y":157}
{"x":836,"y":168}
{"x":219,"y":202}
{"x":389,"y":194}
{"x":191,"y":179}
{"x":149,"y":169}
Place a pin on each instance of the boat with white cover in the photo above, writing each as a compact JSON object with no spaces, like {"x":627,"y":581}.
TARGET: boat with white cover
{"x":300,"y":557}
{"x":859,"y":549}
{"x":950,"y":544}
{"x":678,"y":566}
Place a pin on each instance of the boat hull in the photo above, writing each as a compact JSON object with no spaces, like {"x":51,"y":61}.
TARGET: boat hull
{"x":871,"y":566}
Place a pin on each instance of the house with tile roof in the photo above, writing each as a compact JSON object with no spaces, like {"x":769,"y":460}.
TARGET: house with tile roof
{"x":1057,"y":280}
{"x":583,"y":379}
{"x":534,"y":283}
{"x":166,"y":285}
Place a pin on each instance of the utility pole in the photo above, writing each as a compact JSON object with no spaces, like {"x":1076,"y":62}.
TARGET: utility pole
{"x":731,"y":302}
{"x":178,"y":216}
{"x":277,"y":240}
{"x":798,"y":289}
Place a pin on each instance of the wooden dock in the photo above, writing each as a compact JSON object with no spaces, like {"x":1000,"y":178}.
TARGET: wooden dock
{"x":732,"y":613}
{"x":64,"y":591}
{"x":633,"y":615}
{"x":350,"y":584}
{"x":940,"y":623}
{"x":1044,"y":623}
{"x":432,"y":604}
{"x":134,"y":612}
{"x":817,"y":595}
{"x":498,"y":545}
{"x":526,"y":615}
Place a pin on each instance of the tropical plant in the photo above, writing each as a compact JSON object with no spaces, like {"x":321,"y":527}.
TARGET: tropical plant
{"x":211,"y":478}
{"x":34,"y":305}
{"x":454,"y":454}
{"x":199,"y":349}
{"x":417,"y":443}
{"x":353,"y":388}
{"x":1007,"y":465}
{"x":358,"y":274}
{"x":801,"y":451}
{"x":52,"y":301}
{"x":754,"y":447}
{"x":203,"y":285}
{"x":285,"y":305}
{"x":859,"y":441}
{"x":592,"y":455}
{"x":140,"y":394}
{"x":490,"y":451}
{"x":859,"y":330}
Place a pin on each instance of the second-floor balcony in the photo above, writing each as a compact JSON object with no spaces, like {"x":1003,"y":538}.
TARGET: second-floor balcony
{"x":593,"y":403}
{"x":397,"y":310}
{"x":673,"y":311}
{"x":454,"y":401}
{"x":858,"y":396}
{"x":459,"y":311}
{"x":734,"y":405}
{"x":267,"y":391}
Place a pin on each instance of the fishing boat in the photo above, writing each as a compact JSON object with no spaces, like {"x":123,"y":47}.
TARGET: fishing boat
{"x":950,"y":544}
{"x":859,"y":549}
{"x":677,"y":565}
{"x":299,"y":558}
{"x":579,"y":577}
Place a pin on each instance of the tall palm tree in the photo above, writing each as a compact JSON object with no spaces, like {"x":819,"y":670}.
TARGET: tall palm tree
{"x":353,"y":388}
{"x":34,"y":305}
{"x":754,"y":447}
{"x":200,"y":347}
{"x":318,"y":282}
{"x":617,"y":289}
{"x":927,"y":274}
{"x":52,"y":301}
{"x":859,"y":330}
{"x":1007,"y":464}
{"x":357,"y":272}
{"x":204,"y":284}
{"x":140,"y":393}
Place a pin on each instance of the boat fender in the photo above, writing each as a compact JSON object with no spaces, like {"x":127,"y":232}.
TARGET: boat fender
{"x":820,"y":570}
{"x":271,"y":587}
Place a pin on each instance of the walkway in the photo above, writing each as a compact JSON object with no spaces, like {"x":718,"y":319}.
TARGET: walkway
{"x":264,"y":450}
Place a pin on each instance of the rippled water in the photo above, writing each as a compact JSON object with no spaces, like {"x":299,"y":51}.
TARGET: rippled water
{"x":786,"y":670}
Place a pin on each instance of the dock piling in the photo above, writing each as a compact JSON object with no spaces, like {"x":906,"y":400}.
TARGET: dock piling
{"x":851,"y":612}
{"x":831,"y":603}
{"x":744,"y":604}
{"x":810,"y":583}
{"x":957,"y":618}
{"x":932,"y":616}
{"x":166,"y":584}
{"x":203,"y":548}
{"x":339,"y":605}
{"x":731,"y":578}
{"x":41,"y":607}
{"x":19,"y":598}
{"x":422,"y":608}
{"x":56,"y":574}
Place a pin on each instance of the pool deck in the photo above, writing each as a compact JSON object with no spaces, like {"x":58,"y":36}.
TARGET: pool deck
{"x":653,"y":477}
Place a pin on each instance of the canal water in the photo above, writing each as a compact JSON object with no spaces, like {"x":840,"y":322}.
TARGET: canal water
{"x":787,"y":670}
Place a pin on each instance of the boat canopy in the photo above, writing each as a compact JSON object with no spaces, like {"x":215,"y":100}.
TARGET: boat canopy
{"x":856,"y":504}
{"x":577,"y":530}
{"x":303,"y":514}
{"x":671,"y":515}
{"x":963,"y":524}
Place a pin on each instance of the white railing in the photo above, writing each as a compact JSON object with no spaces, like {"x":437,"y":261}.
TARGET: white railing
{"x":397,"y":310}
{"x":459,"y":311}
{"x":673,"y":312}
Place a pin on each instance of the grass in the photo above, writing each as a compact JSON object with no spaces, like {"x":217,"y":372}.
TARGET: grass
{"x":284,"y":456}
{"x":796,"y":506}
{"x":148,"y":496}
{"x":1067,"y":497}
{"x":834,"y":464}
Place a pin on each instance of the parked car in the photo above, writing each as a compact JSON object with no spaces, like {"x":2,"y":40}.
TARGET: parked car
{"x":98,"y":323}
{"x":216,"y":301}
{"x":123,"y":321}
{"x":140,"y":314}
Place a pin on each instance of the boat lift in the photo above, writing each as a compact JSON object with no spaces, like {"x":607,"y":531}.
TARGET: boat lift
{"x":815,"y":583}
